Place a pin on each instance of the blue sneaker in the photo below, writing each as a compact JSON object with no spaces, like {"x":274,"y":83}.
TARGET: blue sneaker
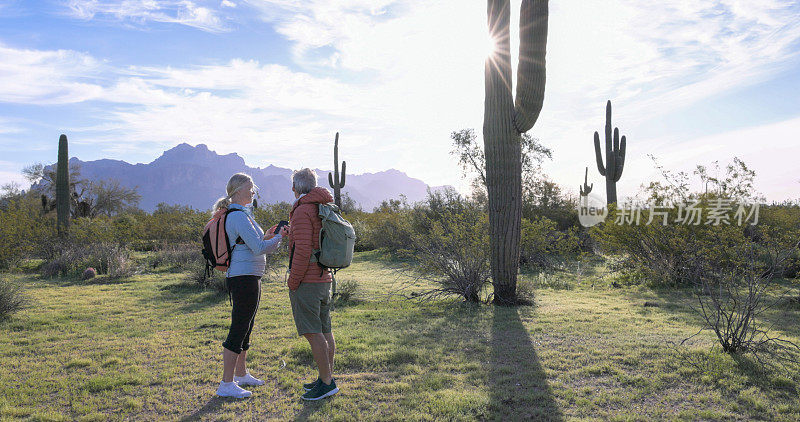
{"x":310,"y":385}
{"x":321,"y":391}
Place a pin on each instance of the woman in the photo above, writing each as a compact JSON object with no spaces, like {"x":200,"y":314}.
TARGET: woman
{"x":309,"y":284}
{"x":249,"y":245}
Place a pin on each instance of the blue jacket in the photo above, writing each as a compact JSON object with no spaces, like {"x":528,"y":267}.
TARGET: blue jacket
{"x":247,"y":258}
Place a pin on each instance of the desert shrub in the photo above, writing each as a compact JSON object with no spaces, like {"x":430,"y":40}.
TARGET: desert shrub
{"x":179,"y":256}
{"x":215,"y":280}
{"x":70,"y":258}
{"x":23,"y":230}
{"x":783,"y":221}
{"x":388,"y":228}
{"x":364,"y":236}
{"x":117,"y":260}
{"x":346,"y":290}
{"x":545,"y":198}
{"x":392,"y":232}
{"x":453,"y":253}
{"x":673,"y":254}
{"x":682,"y":254}
{"x":270,"y":214}
{"x":87,"y":231}
{"x":732,"y":299}
{"x":12,"y":299}
{"x":170,"y":224}
{"x":543,"y":246}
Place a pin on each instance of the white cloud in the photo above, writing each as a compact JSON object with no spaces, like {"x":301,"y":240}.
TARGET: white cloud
{"x":227,"y":3}
{"x":400,"y":75}
{"x":47,"y":77}
{"x":183,"y":12}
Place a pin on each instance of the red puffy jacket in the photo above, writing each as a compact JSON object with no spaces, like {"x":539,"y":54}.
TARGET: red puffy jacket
{"x":304,"y":227}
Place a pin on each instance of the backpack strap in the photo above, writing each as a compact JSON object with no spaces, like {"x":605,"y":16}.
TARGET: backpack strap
{"x":239,"y":240}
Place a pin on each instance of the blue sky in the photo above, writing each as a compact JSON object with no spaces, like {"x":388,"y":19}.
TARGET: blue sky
{"x":273,"y":80}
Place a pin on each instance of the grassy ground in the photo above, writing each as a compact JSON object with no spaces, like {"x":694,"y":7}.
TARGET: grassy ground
{"x":148,"y":347}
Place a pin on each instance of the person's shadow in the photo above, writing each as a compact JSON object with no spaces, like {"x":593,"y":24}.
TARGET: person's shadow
{"x":519,"y":389}
{"x":210,"y":408}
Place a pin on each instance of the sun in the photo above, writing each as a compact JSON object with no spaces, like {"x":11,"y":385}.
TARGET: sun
{"x":491,"y":46}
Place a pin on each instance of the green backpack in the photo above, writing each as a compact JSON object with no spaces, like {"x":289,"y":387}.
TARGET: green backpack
{"x":336,"y":240}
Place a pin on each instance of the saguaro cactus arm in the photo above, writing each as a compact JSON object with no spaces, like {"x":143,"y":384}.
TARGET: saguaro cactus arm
{"x":598,"y":154}
{"x":531,"y":73}
{"x":620,"y":157}
{"x":341,"y":175}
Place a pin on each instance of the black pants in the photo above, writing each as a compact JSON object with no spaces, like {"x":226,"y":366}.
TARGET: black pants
{"x":245,"y":291}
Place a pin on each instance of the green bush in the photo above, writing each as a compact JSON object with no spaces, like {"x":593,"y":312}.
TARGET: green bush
{"x":23,"y":231}
{"x":683,"y":254}
{"x":543,"y":246}
{"x":387,"y":228}
{"x":365,"y":239}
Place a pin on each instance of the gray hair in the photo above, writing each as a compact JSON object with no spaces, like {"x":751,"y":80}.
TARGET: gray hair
{"x":304,"y":180}
{"x":235,"y":183}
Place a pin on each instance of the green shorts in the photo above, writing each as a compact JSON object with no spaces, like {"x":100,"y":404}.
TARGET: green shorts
{"x":311,"y":307}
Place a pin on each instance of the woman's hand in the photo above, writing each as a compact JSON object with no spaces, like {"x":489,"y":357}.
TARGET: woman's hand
{"x":269,"y":234}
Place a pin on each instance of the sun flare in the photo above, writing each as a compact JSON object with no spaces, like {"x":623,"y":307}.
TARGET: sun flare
{"x":491,"y":46}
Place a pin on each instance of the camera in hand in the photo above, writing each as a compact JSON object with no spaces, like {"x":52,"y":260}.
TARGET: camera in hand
{"x":280,"y":226}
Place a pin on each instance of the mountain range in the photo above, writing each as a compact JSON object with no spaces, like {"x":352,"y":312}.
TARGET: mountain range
{"x":196,"y":176}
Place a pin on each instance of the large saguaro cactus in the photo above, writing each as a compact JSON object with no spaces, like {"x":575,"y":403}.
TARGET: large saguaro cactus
{"x":505,"y":120}
{"x":62,"y":186}
{"x":615,"y":157}
{"x":336,"y":178}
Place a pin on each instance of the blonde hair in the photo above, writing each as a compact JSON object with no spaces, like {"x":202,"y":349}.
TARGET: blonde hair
{"x":235,"y":183}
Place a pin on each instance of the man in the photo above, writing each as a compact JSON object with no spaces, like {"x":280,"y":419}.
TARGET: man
{"x":310,"y":284}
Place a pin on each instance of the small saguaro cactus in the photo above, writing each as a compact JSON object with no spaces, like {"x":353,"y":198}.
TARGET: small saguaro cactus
{"x":62,"y":186}
{"x":586,"y":189}
{"x":615,"y":157}
{"x":336,"y":178}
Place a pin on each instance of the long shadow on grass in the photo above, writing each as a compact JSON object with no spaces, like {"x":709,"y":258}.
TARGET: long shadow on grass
{"x":193,"y":296}
{"x":510,"y":370}
{"x":519,"y":389}
{"x":211,"y":408}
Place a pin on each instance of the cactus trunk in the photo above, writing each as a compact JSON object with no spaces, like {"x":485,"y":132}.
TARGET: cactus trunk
{"x":336,"y":179}
{"x":504,"y":122}
{"x":62,"y":186}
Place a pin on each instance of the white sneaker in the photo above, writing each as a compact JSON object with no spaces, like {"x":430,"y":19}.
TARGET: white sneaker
{"x":230,"y":389}
{"x":247,"y":379}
